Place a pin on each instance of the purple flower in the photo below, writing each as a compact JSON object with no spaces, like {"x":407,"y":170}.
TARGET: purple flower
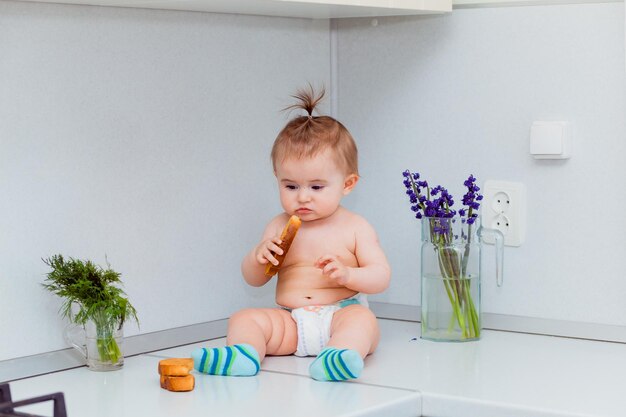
{"x":471,"y":198}
{"x":437,"y":202}
{"x":414,"y":191}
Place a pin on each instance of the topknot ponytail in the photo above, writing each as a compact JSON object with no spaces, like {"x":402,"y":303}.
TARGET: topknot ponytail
{"x":307,"y":100}
{"x":305,"y":136}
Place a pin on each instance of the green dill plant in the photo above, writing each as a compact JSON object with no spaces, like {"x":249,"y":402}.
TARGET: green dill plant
{"x":91,"y":292}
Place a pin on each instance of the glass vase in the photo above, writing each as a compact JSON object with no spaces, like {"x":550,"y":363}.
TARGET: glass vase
{"x":101,"y":342}
{"x":451,"y":278}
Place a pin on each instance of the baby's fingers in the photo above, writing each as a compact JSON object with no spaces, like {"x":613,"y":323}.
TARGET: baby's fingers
{"x":273,"y":246}
{"x":272,"y":250}
{"x":266,"y":256}
{"x":336,"y":274}
{"x":261,"y":257}
{"x":329,"y":268}
{"x":325,"y":260}
{"x":268,"y":250}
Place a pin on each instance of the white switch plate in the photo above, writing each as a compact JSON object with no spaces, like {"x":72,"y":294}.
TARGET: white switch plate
{"x":504,"y":209}
{"x":550,"y":140}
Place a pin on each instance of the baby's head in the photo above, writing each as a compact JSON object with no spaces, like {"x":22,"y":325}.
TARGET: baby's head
{"x":308,"y":136}
{"x":315,"y":162}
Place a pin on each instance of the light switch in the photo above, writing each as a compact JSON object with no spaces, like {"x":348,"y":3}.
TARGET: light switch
{"x":550,"y":140}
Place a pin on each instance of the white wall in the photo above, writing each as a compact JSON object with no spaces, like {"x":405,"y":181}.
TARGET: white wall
{"x":144,"y":136}
{"x":456,"y":94}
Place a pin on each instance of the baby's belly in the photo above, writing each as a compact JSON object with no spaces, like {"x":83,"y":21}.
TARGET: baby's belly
{"x":300,"y":286}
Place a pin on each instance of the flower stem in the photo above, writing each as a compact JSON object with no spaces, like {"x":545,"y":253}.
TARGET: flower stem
{"x":108,"y":349}
{"x":451,"y":288}
{"x":458,"y":287}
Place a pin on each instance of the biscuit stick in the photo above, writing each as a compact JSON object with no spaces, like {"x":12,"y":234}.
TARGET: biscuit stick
{"x":286,"y":237}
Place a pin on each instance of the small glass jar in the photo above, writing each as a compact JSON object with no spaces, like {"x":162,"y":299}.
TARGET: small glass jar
{"x":450,"y":278}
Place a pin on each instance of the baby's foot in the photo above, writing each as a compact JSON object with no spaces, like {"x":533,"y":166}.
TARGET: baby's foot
{"x":336,"y":365}
{"x":236,"y":360}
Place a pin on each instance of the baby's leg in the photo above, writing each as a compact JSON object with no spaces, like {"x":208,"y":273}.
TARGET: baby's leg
{"x":252,"y":334}
{"x":271,"y":331}
{"x":355,"y":327}
{"x":353,"y":335}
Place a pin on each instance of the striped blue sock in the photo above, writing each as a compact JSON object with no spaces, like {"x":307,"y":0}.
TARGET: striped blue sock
{"x":236,"y":360}
{"x":336,"y":365}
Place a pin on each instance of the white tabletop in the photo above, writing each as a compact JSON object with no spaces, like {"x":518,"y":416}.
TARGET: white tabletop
{"x":526,"y":375}
{"x":503,"y":374}
{"x":135,"y":391}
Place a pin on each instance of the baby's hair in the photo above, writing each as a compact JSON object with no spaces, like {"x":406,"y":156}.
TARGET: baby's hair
{"x":306,"y":136}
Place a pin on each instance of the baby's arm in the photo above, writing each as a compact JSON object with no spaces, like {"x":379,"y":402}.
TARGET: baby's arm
{"x":373,"y":273}
{"x":253,"y":265}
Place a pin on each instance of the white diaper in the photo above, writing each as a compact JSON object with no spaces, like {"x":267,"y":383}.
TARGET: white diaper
{"x":314,"y":322}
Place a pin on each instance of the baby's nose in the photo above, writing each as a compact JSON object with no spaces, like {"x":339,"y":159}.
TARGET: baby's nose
{"x":303,"y":194}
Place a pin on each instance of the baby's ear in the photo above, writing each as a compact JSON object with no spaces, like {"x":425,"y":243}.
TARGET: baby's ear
{"x":349,"y":183}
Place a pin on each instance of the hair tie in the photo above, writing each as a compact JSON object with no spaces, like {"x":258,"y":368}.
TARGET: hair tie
{"x":310,"y":117}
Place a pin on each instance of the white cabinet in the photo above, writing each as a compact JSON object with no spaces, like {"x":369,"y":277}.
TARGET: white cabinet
{"x":320,"y":9}
{"x":464,"y":4}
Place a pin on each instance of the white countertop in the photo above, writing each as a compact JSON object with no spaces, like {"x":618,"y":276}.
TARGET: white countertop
{"x":503,"y":374}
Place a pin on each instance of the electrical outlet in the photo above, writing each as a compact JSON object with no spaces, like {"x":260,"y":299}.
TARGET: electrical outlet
{"x":504,"y":209}
{"x":501,"y":223}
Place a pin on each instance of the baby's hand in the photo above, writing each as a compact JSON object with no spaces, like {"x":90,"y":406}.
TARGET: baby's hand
{"x":265,"y":251}
{"x":332,"y":267}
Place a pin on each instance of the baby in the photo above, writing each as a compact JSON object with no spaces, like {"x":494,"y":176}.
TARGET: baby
{"x":333,"y":262}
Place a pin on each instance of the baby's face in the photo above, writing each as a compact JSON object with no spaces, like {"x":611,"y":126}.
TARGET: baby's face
{"x":312,"y":188}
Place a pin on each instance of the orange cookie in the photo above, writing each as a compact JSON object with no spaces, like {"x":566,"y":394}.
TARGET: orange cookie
{"x":178,"y":383}
{"x":175,"y":366}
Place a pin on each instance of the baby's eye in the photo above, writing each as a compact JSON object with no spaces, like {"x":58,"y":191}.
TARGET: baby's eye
{"x":291,"y":187}
{"x":317,"y":187}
